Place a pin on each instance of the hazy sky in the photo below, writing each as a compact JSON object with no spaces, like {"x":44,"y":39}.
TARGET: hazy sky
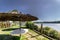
{"x":43,"y":9}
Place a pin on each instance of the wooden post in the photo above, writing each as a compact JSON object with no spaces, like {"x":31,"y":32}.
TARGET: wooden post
{"x":41,"y":28}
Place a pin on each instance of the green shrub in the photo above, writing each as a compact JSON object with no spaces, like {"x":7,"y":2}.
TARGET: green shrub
{"x":58,"y":36}
{"x":31,"y":25}
{"x":50,"y":32}
{"x":53,"y":33}
{"x":46,"y":30}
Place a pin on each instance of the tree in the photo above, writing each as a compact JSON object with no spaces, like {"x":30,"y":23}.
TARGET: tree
{"x":14,"y":10}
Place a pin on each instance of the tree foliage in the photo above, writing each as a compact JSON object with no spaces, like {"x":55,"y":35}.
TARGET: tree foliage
{"x":31,"y":25}
{"x":14,"y":10}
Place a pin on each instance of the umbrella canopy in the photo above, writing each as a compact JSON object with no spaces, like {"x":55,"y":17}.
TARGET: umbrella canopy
{"x":16,"y":17}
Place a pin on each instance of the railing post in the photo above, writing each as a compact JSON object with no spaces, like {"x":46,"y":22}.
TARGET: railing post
{"x":41,"y":28}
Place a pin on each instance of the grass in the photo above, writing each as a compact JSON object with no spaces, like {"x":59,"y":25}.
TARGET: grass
{"x":8,"y":30}
{"x":5,"y":33}
{"x":23,"y":37}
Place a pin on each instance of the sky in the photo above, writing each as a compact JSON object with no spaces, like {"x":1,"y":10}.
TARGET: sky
{"x":45,"y":10}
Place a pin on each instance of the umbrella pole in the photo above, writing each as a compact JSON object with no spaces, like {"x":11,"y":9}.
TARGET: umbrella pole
{"x":20,"y":28}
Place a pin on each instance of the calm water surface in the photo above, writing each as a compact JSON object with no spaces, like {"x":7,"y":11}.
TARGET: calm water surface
{"x":54,"y":26}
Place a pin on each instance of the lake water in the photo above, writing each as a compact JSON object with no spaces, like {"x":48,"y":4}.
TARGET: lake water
{"x":54,"y":26}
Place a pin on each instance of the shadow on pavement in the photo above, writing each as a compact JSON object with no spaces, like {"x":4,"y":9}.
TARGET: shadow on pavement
{"x":10,"y":29}
{"x":8,"y":37}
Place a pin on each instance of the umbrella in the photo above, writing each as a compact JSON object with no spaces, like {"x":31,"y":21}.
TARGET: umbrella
{"x":17,"y":17}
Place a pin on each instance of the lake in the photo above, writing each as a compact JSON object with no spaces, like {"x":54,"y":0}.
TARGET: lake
{"x":51,"y":25}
